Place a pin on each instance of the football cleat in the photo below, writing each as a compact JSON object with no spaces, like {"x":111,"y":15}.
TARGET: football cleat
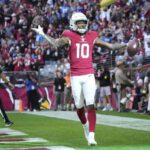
{"x":91,"y":139}
{"x":8,"y":124}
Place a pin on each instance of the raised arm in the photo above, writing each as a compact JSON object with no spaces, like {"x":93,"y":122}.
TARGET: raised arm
{"x":55,"y":42}
{"x":110,"y":46}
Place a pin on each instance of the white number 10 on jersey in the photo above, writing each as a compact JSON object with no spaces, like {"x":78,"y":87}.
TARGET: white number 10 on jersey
{"x":83,"y":50}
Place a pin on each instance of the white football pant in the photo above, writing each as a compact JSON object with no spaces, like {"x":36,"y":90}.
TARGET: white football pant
{"x":83,"y":90}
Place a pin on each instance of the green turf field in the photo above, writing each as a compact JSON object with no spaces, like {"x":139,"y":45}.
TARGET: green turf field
{"x":70,"y":133}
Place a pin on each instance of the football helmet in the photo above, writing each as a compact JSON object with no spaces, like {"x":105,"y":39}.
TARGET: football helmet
{"x":78,"y":16}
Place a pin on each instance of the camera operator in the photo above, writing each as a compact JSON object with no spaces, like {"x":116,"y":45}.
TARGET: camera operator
{"x":32,"y":93}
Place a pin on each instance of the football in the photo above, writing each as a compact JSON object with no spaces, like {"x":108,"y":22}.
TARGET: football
{"x":133,"y":46}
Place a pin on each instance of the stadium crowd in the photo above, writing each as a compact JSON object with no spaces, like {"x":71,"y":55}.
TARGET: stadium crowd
{"x":23,"y":50}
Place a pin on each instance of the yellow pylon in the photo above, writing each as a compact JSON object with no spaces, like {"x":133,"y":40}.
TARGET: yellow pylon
{"x":20,"y":106}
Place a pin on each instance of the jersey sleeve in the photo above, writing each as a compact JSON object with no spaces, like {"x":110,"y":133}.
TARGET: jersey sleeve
{"x":67,"y":34}
{"x":95,"y":35}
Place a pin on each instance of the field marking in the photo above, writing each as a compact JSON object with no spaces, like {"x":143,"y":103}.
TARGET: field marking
{"x":4,"y":132}
{"x":42,"y":148}
{"x":116,"y":121}
{"x":22,"y":140}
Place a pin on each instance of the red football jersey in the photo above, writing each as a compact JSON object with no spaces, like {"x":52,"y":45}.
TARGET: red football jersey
{"x":80,"y":52}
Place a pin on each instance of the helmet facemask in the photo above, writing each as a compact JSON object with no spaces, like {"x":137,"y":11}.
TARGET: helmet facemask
{"x":82,"y":29}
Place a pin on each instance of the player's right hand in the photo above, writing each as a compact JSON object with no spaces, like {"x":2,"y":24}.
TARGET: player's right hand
{"x":38,"y":30}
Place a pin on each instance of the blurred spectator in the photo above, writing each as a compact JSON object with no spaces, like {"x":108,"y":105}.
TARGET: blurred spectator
{"x":105,"y":90}
{"x":140,"y":72}
{"x":140,"y":95}
{"x":59,"y":86}
{"x":18,"y":63}
{"x":148,"y":106}
{"x":68,"y":103}
{"x":147,"y":41}
{"x":27,"y":62}
{"x":122,"y":83}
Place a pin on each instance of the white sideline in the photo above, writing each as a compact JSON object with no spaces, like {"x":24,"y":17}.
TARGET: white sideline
{"x":48,"y":148}
{"x":116,"y":121}
{"x":24,"y":140}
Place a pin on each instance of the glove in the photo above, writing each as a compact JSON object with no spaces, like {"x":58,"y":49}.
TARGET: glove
{"x":38,"y":30}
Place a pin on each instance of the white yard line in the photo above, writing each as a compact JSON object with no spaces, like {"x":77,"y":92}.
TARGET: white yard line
{"x":23,"y":140}
{"x":40,"y":148}
{"x":10,"y":132}
{"x":116,"y":121}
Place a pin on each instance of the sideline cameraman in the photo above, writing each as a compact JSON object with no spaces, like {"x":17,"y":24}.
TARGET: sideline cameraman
{"x":32,"y":93}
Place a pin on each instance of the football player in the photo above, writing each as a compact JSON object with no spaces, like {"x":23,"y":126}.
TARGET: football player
{"x":2,"y":110}
{"x":81,"y":41}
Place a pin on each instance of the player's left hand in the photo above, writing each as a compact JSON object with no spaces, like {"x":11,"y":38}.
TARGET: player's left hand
{"x":38,"y":30}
